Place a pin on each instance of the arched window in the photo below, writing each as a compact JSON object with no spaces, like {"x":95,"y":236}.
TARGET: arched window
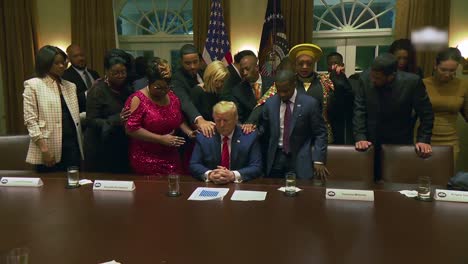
{"x":358,"y":29}
{"x":154,"y":27}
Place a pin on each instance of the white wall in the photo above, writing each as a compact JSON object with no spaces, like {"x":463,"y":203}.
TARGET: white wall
{"x":246,"y":24}
{"x":54,"y":23}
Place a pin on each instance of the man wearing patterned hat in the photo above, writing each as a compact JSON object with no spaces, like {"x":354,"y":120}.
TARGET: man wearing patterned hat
{"x":332,"y":90}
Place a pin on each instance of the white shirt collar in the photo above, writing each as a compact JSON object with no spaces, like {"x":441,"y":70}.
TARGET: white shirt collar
{"x":80,"y":71}
{"x":229,"y":136}
{"x":293,"y":97}
{"x":259,"y":80}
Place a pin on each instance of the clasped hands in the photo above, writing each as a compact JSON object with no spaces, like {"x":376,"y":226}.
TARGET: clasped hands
{"x":221,"y":175}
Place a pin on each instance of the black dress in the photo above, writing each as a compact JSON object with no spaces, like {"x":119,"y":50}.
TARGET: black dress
{"x":105,"y":143}
{"x":204,"y":102}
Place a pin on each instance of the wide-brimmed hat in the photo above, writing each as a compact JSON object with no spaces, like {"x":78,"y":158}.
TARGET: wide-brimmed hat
{"x":305,"y":49}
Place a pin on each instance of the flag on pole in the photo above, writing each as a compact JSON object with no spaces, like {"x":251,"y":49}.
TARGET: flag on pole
{"x":217,"y":46}
{"x":274,"y":44}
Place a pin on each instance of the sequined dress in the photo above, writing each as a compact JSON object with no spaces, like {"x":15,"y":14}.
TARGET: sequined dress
{"x":152,"y":158}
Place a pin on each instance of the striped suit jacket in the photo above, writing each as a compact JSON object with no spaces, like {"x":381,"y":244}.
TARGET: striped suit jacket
{"x":43,"y":115}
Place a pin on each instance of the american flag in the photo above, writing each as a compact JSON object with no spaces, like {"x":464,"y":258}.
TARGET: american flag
{"x":217,"y":46}
{"x":274,"y":44}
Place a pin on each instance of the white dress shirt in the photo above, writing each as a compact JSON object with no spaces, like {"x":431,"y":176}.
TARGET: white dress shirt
{"x":82,"y":75}
{"x":282,"y":111}
{"x":238,"y":177}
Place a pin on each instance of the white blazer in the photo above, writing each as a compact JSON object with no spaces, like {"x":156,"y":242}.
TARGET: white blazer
{"x":43,"y":115}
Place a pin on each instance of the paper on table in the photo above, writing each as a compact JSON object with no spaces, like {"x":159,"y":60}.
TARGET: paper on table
{"x":205,"y":194}
{"x":85,"y":181}
{"x":409,"y":193}
{"x":283,"y":189}
{"x":248,"y":196}
{"x":111,"y":262}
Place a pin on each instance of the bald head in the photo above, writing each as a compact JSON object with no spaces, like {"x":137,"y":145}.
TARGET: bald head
{"x":76,"y":56}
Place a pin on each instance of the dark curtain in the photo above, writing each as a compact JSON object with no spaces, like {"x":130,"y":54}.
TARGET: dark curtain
{"x":299,"y":20}
{"x":18,"y":44}
{"x":415,"y":14}
{"x":93,"y":28}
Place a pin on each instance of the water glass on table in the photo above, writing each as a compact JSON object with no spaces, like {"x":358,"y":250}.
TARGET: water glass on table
{"x":174,"y":188}
{"x":73,"y":174}
{"x":290,"y":188}
{"x":424,"y":188}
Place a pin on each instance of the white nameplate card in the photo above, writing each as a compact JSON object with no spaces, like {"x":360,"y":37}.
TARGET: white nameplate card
{"x":451,"y":196}
{"x":345,"y":194}
{"x":126,"y":186}
{"x":21,"y":182}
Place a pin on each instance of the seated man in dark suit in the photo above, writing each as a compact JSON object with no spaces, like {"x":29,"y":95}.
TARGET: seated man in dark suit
{"x":292,"y":123}
{"x":184,"y":80}
{"x":230,"y":155}
{"x":383,"y":108}
{"x":235,"y":76}
{"x":247,"y":93}
{"x":79,"y":74}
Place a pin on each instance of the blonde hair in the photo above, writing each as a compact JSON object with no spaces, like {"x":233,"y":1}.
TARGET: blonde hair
{"x":214,"y":71}
{"x":224,"y":107}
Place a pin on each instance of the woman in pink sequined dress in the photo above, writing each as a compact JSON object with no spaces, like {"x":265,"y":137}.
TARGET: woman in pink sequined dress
{"x":155,"y":116}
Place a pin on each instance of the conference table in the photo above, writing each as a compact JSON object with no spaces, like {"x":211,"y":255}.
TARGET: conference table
{"x":59,"y":225}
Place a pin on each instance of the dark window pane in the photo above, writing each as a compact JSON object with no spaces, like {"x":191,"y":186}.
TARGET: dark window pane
{"x":364,"y":57}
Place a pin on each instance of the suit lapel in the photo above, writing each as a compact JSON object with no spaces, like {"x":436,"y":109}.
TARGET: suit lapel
{"x":78,"y":79}
{"x":276,"y":114}
{"x":372,"y":99}
{"x":234,"y":147}
{"x":296,"y":112}
{"x":67,"y":96}
{"x":217,"y":149}
{"x":249,"y":96}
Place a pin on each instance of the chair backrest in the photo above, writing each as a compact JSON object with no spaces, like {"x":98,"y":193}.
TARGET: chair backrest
{"x":13,"y":150}
{"x":345,"y":163}
{"x":401,"y":164}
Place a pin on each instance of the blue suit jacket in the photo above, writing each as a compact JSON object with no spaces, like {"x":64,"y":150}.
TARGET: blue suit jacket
{"x":245,"y":155}
{"x":307,"y":128}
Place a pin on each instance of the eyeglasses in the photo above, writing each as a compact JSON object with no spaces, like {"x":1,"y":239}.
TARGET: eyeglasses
{"x":447,"y":71}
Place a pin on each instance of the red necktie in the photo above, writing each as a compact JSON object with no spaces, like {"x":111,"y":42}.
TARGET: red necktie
{"x":286,"y":127}
{"x":225,"y":153}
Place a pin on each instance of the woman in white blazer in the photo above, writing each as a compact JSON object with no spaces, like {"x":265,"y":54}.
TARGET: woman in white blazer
{"x":51,"y":114}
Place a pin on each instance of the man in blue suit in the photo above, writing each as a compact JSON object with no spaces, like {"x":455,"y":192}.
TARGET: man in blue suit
{"x":291,"y":123}
{"x":228,"y":156}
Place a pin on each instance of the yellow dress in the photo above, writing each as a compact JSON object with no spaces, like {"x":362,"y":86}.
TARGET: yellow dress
{"x":448,"y":99}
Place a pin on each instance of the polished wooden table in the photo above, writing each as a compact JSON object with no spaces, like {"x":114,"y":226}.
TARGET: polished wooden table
{"x":80,"y":225}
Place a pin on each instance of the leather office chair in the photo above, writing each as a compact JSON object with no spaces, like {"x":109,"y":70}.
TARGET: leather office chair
{"x":401,"y":164}
{"x":345,"y":163}
{"x":13,"y":150}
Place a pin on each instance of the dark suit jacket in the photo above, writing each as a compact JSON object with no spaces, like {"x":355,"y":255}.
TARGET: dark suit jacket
{"x":307,"y":128}
{"x":245,"y":155}
{"x":408,"y":93}
{"x":340,"y":105}
{"x":245,"y":100}
{"x":182,"y":83}
{"x":73,"y":76}
{"x":232,"y":81}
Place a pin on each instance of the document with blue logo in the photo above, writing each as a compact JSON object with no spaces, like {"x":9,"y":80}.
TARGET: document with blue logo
{"x":205,"y":194}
